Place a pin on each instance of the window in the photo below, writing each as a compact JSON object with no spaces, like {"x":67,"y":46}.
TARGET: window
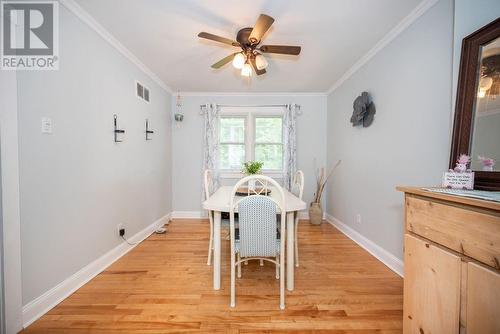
{"x":231,"y":142}
{"x":250,"y":136}
{"x":269,"y":142}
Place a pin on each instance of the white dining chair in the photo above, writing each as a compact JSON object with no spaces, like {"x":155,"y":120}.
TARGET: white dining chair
{"x":258,"y":237}
{"x":208,"y":185}
{"x":297,"y":190}
{"x":209,"y":190}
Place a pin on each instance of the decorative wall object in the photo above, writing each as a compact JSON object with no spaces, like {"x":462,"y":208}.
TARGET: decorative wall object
{"x":148,"y":131}
{"x":477,"y":95}
{"x":178,"y":116}
{"x":364,"y":111}
{"x":117,"y":131}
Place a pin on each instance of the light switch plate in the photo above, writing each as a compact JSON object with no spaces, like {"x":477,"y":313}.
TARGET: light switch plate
{"x":46,"y":125}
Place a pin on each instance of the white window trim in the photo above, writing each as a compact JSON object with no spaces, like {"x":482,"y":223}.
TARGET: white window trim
{"x":250,"y":114}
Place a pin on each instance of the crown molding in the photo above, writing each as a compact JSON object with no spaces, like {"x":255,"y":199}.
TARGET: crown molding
{"x":83,"y":15}
{"x":261,"y":94}
{"x":423,"y":7}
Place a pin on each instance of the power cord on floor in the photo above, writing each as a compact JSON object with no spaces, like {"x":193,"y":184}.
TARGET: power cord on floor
{"x":162,"y":229}
{"x":159,"y":230}
{"x":128,"y":242}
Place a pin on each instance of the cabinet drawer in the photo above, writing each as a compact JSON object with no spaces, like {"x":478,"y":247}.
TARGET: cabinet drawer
{"x":472,"y":233}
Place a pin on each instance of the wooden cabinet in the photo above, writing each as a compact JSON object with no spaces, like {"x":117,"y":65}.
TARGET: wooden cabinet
{"x":432,"y":284}
{"x":482,"y":300}
{"x":452,"y":264}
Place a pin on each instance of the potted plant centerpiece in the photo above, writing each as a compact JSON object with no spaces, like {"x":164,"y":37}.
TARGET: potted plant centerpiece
{"x":315,"y":210}
{"x":252,"y":168}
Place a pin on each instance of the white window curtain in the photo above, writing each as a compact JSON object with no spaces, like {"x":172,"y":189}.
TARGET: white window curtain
{"x":211,"y":142}
{"x":290,"y":145}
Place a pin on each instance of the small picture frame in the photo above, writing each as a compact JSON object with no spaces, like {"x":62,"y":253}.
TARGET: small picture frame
{"x":455,"y":180}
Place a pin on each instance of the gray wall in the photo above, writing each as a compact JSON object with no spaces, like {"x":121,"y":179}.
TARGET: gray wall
{"x":10,"y":201}
{"x":2,"y":302}
{"x":408,"y":143}
{"x":77,"y":184}
{"x":188,"y":143}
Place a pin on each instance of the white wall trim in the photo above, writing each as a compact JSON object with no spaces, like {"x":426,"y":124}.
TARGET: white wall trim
{"x":258,"y":94}
{"x":423,"y":7}
{"x":83,"y":15}
{"x":391,"y":261}
{"x":42,"y":304}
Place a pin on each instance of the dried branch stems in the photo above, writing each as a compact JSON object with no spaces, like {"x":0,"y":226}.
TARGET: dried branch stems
{"x":321,"y":181}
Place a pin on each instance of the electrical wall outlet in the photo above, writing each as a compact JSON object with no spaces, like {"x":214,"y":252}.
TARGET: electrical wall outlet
{"x":46,"y":125}
{"x":120,"y":229}
{"x":358,"y":218}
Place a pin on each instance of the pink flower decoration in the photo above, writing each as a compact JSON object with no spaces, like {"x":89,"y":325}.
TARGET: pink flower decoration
{"x":486,"y":161}
{"x":464,"y":159}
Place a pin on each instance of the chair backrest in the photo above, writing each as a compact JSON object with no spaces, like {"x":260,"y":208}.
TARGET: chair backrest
{"x":298,"y":184}
{"x":208,"y":182}
{"x":257,"y":217}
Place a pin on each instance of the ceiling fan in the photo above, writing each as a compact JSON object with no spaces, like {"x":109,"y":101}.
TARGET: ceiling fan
{"x":249,"y":39}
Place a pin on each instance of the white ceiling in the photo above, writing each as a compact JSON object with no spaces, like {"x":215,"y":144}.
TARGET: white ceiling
{"x":334,"y":34}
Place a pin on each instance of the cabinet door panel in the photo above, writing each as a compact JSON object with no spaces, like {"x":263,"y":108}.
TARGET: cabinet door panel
{"x":431,"y":289}
{"x":483,"y":300}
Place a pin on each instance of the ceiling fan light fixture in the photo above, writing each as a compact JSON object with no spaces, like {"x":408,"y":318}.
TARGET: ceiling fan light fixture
{"x":246,"y":71}
{"x":249,"y":58}
{"x":484,"y":86}
{"x":260,"y":62}
{"x":239,"y":61}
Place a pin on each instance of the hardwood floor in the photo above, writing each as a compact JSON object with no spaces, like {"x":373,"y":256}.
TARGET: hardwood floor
{"x":165,"y":286}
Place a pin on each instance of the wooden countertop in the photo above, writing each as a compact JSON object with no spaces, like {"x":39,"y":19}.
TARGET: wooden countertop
{"x":451,"y":198}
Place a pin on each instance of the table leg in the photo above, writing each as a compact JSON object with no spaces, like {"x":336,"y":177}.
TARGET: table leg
{"x":290,"y":266}
{"x":217,"y":250}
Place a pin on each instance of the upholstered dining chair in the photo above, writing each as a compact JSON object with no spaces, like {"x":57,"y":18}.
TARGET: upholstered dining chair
{"x":258,"y":237}
{"x":297,"y":190}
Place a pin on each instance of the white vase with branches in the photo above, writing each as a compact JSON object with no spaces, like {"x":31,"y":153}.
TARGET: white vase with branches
{"x":315,"y":210}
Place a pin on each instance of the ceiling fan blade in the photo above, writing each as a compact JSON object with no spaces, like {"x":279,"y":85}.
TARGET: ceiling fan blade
{"x":264,"y":22}
{"x":281,"y":49}
{"x":219,"y":39}
{"x":259,"y":72}
{"x":224,"y":61}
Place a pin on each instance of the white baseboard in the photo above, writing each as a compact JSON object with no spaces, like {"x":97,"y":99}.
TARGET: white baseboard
{"x":391,"y":261}
{"x":42,"y":304}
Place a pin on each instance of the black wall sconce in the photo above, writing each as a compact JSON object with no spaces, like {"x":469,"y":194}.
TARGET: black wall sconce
{"x":148,"y":132}
{"x":117,"y":131}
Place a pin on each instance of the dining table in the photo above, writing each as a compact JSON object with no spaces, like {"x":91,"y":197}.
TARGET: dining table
{"x":219,"y":202}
